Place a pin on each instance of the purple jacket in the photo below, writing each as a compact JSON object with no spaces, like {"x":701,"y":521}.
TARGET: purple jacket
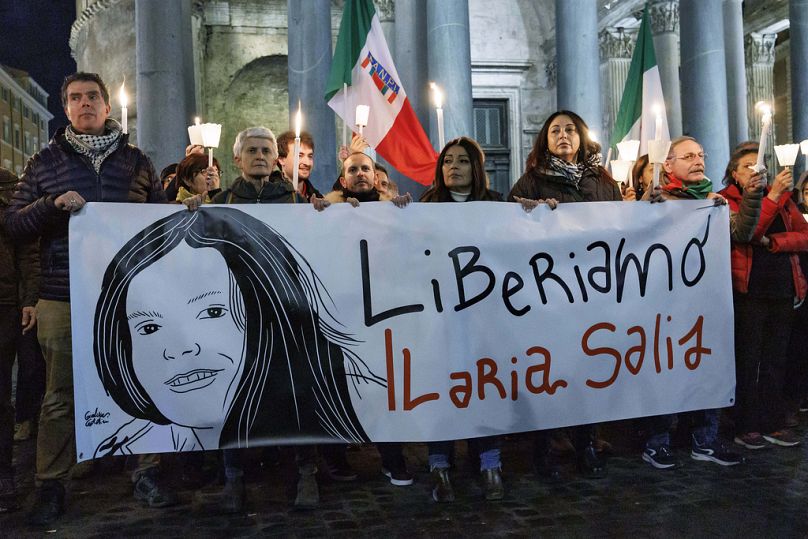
{"x":126,"y":175}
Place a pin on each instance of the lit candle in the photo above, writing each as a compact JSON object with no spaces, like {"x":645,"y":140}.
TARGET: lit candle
{"x":437,"y":95}
{"x":123,"y":101}
{"x":766,"y":125}
{"x":195,"y":133}
{"x":298,"y":121}
{"x":657,"y":140}
{"x":211,"y":133}
{"x":362,"y":115}
{"x":593,"y":136}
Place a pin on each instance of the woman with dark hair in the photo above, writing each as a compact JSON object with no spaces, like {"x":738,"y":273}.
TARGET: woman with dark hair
{"x":460,"y":177}
{"x":768,"y":281}
{"x":564,"y":166}
{"x":198,"y":183}
{"x":460,"y":174}
{"x":245,"y":358}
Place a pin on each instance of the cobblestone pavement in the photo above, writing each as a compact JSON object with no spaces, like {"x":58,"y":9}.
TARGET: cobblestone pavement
{"x":766,"y":496}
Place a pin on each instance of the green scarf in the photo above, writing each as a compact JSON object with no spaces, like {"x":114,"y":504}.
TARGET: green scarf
{"x":696,"y":190}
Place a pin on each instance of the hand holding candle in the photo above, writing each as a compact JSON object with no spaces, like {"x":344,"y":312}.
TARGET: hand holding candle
{"x":296,"y":161}
{"x":124,"y":114}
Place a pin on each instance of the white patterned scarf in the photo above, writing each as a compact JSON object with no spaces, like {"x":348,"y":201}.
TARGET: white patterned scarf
{"x":96,"y":147}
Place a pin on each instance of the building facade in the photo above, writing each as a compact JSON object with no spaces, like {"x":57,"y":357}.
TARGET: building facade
{"x":24,"y":116}
{"x":241,"y":62}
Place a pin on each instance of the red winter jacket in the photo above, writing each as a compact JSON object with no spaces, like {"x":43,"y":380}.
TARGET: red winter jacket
{"x":793,"y":241}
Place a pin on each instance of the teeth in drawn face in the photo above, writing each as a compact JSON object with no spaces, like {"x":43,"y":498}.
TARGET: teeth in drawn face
{"x":193,"y":376}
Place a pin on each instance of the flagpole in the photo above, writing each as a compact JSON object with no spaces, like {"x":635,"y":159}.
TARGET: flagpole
{"x":344,"y":123}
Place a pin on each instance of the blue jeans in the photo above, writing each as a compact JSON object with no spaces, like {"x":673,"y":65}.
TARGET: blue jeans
{"x":487,"y":448}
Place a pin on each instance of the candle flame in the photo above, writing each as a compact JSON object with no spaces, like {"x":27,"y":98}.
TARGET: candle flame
{"x":763,"y":107}
{"x":298,"y":120}
{"x":122,"y":96}
{"x":658,"y":109}
{"x":197,"y":120}
{"x":436,"y":94}
{"x":593,"y":136}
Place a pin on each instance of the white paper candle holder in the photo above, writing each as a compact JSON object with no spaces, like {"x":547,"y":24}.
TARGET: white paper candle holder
{"x":787,"y":154}
{"x":628,"y":150}
{"x":211,"y":133}
{"x":621,"y":170}
{"x":804,"y":147}
{"x":658,"y":150}
{"x":195,"y":135}
{"x":362,"y":115}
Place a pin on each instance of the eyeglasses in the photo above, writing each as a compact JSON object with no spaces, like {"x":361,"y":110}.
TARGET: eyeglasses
{"x":688,"y":157}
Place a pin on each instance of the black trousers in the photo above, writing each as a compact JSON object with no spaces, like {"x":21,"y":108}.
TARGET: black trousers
{"x":762,"y":333}
{"x":9,"y":329}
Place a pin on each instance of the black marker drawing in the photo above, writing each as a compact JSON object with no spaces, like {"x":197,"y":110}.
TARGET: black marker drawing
{"x":246,"y":354}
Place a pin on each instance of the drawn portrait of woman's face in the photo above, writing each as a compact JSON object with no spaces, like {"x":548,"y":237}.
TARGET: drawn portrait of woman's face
{"x":187,"y":341}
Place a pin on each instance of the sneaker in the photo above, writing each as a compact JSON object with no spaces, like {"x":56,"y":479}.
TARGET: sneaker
{"x":8,"y":494}
{"x":715,"y":452}
{"x":804,"y":406}
{"x":49,"y":504}
{"x":308,"y":492}
{"x":442,"y":491}
{"x":340,"y":470}
{"x":660,"y":458}
{"x":151,"y":491}
{"x":22,"y":431}
{"x":784,"y":438}
{"x":494,"y":489}
{"x":399,"y":477}
{"x":751,"y":440}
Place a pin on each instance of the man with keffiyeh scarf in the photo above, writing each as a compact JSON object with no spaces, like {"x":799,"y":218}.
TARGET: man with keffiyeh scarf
{"x":88,"y":161}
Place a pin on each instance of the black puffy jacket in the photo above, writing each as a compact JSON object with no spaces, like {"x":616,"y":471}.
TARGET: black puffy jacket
{"x":126,"y":175}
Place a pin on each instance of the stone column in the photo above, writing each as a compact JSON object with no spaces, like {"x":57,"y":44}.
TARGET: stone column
{"x":703,"y":77}
{"x":165,"y":100}
{"x":386,"y":10}
{"x":411,"y":59}
{"x":309,"y":45}
{"x":798,"y":15}
{"x":411,"y":56}
{"x":616,"y":48}
{"x":759,"y":57}
{"x":664,"y":15}
{"x":578,"y":87}
{"x":736,"y":73}
{"x":449,"y":65}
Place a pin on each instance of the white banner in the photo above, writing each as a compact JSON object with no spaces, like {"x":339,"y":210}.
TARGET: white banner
{"x":246,"y":325}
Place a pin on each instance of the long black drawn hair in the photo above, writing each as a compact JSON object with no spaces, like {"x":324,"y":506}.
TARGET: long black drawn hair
{"x":296,"y":364}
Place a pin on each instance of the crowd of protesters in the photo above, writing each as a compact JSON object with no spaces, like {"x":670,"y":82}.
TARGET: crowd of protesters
{"x":91,"y":160}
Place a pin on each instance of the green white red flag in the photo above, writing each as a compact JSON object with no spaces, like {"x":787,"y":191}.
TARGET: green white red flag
{"x":362,"y":61}
{"x":642,"y":96}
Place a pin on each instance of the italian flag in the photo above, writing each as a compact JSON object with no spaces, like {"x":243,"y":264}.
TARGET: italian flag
{"x":642,"y":96}
{"x":363,"y":62}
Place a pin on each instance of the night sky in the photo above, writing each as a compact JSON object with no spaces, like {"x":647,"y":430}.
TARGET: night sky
{"x":33,"y":37}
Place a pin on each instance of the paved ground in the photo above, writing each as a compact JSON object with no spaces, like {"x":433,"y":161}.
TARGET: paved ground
{"x":764,"y":497}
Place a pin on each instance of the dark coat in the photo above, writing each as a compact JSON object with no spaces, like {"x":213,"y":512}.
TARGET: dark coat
{"x":126,"y":175}
{"x":595,"y":186}
{"x":19,"y":263}
{"x":276,"y":191}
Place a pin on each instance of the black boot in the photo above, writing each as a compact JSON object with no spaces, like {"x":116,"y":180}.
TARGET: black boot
{"x":49,"y":504}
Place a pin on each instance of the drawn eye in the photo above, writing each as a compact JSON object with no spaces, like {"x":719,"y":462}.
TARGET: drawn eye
{"x":212,"y":312}
{"x":148,"y":329}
